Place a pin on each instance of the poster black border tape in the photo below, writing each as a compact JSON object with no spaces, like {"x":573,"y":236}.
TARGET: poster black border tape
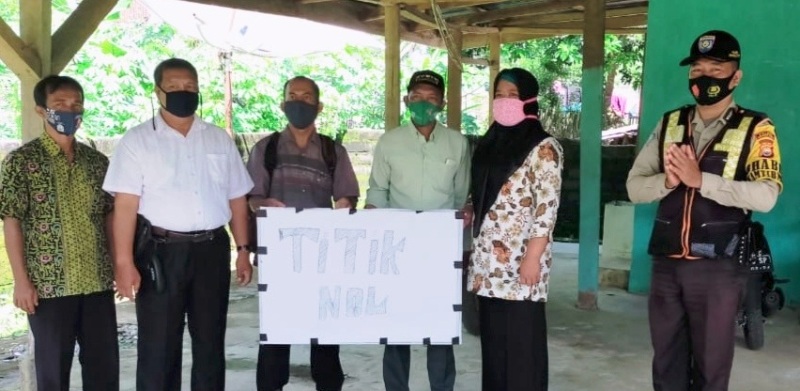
{"x":459,"y":215}
{"x":426,"y":341}
{"x":456,"y":341}
{"x":262,"y":337}
{"x":314,"y":341}
{"x":261,"y":250}
{"x":298,"y":210}
{"x":458,"y":264}
{"x":261,"y":213}
{"x":457,"y":307}
{"x":262,"y":287}
{"x":383,"y":341}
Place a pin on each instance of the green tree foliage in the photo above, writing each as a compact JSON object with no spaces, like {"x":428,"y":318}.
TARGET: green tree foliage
{"x":115,"y":67}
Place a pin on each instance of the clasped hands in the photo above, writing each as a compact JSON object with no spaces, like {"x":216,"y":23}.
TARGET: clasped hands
{"x":681,"y":166}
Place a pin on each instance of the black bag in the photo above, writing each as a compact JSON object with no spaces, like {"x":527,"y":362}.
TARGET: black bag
{"x":144,"y":253}
{"x":754,"y":254}
{"x":142,"y":239}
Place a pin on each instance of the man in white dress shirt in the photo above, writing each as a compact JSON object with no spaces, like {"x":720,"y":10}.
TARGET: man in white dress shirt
{"x":187,"y":178}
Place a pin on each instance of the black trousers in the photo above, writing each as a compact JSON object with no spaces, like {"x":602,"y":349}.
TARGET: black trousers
{"x":693,"y":306}
{"x":513,"y":345}
{"x":58,"y":323}
{"x":272,"y":371}
{"x":197,"y":284}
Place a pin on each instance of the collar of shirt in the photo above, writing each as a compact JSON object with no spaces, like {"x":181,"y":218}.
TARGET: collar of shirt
{"x":53,"y":149}
{"x":438,"y":128}
{"x":288,"y":137}
{"x":698,"y":124}
{"x":162,"y":126}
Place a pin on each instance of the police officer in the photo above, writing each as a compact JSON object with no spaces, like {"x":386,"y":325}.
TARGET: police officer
{"x":709,"y":165}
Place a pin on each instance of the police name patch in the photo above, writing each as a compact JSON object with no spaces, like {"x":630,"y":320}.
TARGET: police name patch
{"x":764,"y":169}
{"x":705,"y":43}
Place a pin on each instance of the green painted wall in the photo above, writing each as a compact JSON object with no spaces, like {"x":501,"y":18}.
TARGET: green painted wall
{"x":767,"y":32}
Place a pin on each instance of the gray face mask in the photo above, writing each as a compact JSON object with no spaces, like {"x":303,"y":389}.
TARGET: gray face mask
{"x":300,"y":114}
{"x":64,"y":122}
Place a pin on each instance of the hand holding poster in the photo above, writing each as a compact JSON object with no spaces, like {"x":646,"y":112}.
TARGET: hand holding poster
{"x":378,"y":276}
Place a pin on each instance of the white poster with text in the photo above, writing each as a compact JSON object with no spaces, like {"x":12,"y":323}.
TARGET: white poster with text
{"x":380,"y":276}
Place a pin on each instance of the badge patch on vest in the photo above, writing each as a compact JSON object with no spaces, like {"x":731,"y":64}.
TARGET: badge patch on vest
{"x":764,"y":161}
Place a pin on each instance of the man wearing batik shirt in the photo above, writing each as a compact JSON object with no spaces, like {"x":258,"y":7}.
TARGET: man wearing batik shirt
{"x":54,"y":215}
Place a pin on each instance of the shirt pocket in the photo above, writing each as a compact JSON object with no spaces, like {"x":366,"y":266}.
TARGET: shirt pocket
{"x":217,"y":168}
{"x":442,"y":170}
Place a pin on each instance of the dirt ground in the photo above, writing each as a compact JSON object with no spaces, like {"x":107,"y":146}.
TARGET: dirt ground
{"x":608,"y":349}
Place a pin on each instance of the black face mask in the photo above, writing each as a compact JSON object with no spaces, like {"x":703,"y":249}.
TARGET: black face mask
{"x":300,"y":114}
{"x":182,"y":103}
{"x":708,"y":90}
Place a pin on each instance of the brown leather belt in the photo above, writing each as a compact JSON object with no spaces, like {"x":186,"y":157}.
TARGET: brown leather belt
{"x":168,"y":236}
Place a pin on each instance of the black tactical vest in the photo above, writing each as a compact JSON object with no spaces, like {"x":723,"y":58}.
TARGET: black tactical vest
{"x":687,"y":224}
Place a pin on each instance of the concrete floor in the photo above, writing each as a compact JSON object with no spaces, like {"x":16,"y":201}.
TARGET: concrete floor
{"x":603,"y":350}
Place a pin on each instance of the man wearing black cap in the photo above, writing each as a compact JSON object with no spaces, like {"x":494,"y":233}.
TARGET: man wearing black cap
{"x":709,"y":165}
{"x":420,"y":166}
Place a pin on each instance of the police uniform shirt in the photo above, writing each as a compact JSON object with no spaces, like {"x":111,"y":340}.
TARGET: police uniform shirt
{"x":647,"y":183}
{"x":184,"y":183}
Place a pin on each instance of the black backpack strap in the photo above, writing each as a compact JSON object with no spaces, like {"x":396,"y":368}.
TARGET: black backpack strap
{"x":328,"y":146}
{"x":271,"y":156}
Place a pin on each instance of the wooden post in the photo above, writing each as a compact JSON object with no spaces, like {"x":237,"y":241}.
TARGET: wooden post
{"x":35,"y":28}
{"x":494,"y":67}
{"x":590,"y":152}
{"x":225,"y":58}
{"x":392,"y":36}
{"x":31,"y":56}
{"x":454,"y":82}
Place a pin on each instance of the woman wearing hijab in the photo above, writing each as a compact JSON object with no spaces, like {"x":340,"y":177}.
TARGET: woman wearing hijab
{"x":516,"y":186}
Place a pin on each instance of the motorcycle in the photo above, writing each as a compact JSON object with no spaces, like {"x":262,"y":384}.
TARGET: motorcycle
{"x":762,"y":299}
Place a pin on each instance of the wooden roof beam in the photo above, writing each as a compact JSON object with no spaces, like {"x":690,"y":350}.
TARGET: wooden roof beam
{"x":348,"y":14}
{"x":616,"y":22}
{"x":575,"y":16}
{"x":18,"y":56}
{"x":516,"y":35}
{"x":426,"y":4}
{"x":424,"y":20}
{"x":611,"y":23}
{"x":524,"y":10}
{"x":77,"y":29}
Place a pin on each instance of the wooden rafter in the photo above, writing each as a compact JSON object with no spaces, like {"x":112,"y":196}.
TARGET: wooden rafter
{"x":78,"y":27}
{"x":515,"y":12}
{"x":510,"y":35}
{"x":348,"y":14}
{"x":476,"y":19}
{"x":636,"y":17}
{"x":423,"y":19}
{"x":426,"y":4}
{"x":611,"y":24}
{"x":18,"y":56}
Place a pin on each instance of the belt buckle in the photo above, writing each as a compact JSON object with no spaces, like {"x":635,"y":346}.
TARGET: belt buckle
{"x":204,"y":236}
